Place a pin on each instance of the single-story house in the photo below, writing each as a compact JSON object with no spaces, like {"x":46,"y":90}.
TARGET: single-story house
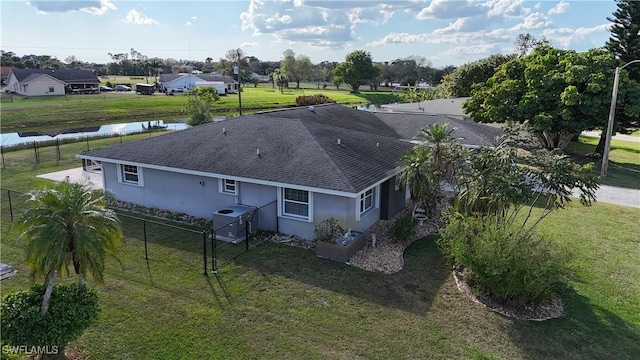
{"x":310,"y":163}
{"x":185,"y":82}
{"x":41,"y":82}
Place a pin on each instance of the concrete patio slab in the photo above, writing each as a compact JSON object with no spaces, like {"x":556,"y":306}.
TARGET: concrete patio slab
{"x":76,"y":175}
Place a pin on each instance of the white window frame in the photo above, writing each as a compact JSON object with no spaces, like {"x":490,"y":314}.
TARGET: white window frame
{"x":122,"y":178}
{"x":369,"y":193}
{"x":375,"y":201}
{"x":282,"y":201}
{"x":397,"y":181}
{"x":52,"y":88}
{"x":223,"y":187}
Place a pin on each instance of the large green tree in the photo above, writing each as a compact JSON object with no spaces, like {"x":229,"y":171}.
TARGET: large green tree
{"x":297,"y":68}
{"x":624,"y":42}
{"x":68,"y":225}
{"x":200,"y":105}
{"x":558,"y":93}
{"x":357,"y":70}
{"x":460,"y":81}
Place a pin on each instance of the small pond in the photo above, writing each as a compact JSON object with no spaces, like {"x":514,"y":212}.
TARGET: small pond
{"x":18,"y":138}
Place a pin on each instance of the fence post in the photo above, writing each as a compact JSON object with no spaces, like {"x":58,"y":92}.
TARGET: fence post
{"x":144,"y":230}
{"x":35,"y":150}
{"x":204,"y":252}
{"x":87,"y":143}
{"x":2,"y":152}
{"x":246,"y":236}
{"x":214,"y":255}
{"x":10,"y":206}
{"x":58,"y":148}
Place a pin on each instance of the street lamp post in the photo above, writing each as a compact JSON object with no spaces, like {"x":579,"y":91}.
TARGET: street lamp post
{"x":612,"y":111}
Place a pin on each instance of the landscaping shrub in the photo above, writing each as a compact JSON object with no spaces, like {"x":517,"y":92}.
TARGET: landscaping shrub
{"x":328,"y":230}
{"x":402,"y":229}
{"x":502,"y":260}
{"x":71,"y":311}
{"x":307,"y":100}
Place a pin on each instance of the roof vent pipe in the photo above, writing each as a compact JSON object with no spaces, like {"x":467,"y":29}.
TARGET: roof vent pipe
{"x":339,"y":142}
{"x":311,"y":108}
{"x":224,"y":131}
{"x":258,"y":153}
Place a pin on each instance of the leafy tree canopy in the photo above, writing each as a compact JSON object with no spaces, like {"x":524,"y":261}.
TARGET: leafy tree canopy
{"x":460,"y":81}
{"x":624,"y":42}
{"x":357,"y":70}
{"x":558,"y":93}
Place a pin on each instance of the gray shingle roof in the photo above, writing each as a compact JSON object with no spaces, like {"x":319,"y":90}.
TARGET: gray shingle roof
{"x":68,"y":76}
{"x":469,"y":132}
{"x":297,"y":147}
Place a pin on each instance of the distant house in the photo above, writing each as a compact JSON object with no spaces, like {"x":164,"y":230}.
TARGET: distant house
{"x":5,"y":73}
{"x":42,"y":82}
{"x":185,"y":82}
{"x":310,"y":164}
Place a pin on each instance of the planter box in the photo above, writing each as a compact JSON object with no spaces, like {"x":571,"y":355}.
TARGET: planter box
{"x":339,"y":252}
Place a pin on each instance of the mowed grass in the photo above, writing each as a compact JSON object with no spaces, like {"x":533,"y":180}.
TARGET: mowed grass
{"x":83,"y":110}
{"x":624,"y":160}
{"x":282,"y":302}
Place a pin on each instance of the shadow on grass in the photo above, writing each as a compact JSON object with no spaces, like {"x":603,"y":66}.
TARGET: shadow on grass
{"x":413,"y":289}
{"x":586,"y":331}
{"x":378,"y":98}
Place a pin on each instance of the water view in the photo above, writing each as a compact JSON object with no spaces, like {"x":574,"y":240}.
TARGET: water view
{"x":18,"y":138}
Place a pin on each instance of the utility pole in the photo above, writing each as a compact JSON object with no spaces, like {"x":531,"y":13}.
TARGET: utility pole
{"x":239,"y":81}
{"x":612,"y":112}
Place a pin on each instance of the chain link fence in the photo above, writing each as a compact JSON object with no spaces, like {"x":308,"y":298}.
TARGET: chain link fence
{"x":159,"y":237}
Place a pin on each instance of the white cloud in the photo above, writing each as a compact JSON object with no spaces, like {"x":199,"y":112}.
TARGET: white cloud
{"x":533,"y":21}
{"x":188,"y":23}
{"x":506,"y":8}
{"x":467,"y":24}
{"x":445,"y":9}
{"x":194,"y":18}
{"x":317,"y":23}
{"x":567,"y":37}
{"x":134,"y":17}
{"x":481,"y":49}
{"x":250,"y":44}
{"x":96,"y":7}
{"x":559,"y":8}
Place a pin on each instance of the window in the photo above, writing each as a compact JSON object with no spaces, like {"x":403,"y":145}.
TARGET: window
{"x":228,"y":186}
{"x":295,"y":203}
{"x":130,"y":174}
{"x":397,"y":185}
{"x":366,"y":200}
{"x":51,"y":89}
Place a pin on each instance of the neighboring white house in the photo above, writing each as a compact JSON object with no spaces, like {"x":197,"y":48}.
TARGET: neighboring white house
{"x":43,"y":82}
{"x":300,"y":166}
{"x":185,"y":82}
{"x":221,"y":88}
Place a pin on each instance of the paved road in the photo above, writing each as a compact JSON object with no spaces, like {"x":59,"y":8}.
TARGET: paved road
{"x":618,"y":195}
{"x":616,"y":137}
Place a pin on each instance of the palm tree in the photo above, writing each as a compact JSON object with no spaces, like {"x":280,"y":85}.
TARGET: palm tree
{"x":68,"y":224}
{"x":438,"y":136}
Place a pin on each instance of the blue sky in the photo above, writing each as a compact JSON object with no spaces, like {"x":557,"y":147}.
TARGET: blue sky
{"x":443,"y":32}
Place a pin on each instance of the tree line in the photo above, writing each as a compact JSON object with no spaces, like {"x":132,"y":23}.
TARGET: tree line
{"x":296,"y":67}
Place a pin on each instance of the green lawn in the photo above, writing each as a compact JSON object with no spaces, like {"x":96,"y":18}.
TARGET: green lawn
{"x":84,"y":110}
{"x":280,"y":302}
{"x":624,"y":160}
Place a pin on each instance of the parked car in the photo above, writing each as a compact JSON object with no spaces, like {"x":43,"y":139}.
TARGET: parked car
{"x":104,"y":88}
{"x":122,"y":88}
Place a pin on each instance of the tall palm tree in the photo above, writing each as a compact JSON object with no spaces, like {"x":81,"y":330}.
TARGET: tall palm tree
{"x":438,"y":137}
{"x":68,"y":224}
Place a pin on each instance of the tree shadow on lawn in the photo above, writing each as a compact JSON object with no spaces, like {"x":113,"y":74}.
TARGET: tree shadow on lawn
{"x":586,"y":331}
{"x":412,"y":289}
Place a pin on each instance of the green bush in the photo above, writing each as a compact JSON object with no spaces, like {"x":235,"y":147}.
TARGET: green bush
{"x":402,"y":229}
{"x":503,"y":261}
{"x":307,"y":100}
{"x":328,"y":230}
{"x":71,"y":311}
